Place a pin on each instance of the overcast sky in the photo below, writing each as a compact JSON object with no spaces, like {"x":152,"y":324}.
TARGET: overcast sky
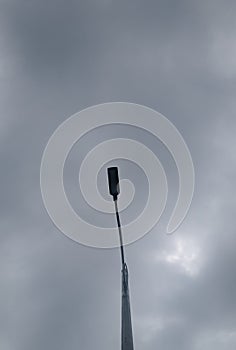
{"x":58,"y":57}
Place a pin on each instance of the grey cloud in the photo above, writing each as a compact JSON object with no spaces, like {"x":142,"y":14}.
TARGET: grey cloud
{"x":59,"y":57}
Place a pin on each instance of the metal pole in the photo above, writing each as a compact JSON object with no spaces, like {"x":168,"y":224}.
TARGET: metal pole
{"x":126,"y":323}
{"x":120,"y":233}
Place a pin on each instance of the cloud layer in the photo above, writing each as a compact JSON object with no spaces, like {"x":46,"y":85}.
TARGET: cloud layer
{"x":58,"y":57}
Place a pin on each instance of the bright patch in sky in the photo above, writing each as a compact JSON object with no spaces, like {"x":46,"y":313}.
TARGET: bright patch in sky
{"x":184,"y":256}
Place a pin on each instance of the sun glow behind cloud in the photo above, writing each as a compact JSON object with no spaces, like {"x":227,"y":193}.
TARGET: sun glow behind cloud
{"x":185,"y":256}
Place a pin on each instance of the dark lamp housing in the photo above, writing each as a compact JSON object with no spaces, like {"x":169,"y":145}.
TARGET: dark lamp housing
{"x":113,"y":180}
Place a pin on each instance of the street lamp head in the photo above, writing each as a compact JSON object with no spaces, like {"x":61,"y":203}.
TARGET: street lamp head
{"x":113,"y":180}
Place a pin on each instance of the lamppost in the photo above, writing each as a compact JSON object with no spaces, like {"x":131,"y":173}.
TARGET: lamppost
{"x":126,"y":322}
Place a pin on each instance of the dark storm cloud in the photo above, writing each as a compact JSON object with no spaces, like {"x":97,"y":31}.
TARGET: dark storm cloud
{"x":59,"y":57}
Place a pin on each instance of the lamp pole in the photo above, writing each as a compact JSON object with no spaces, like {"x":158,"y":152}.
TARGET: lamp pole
{"x":126,"y":322}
